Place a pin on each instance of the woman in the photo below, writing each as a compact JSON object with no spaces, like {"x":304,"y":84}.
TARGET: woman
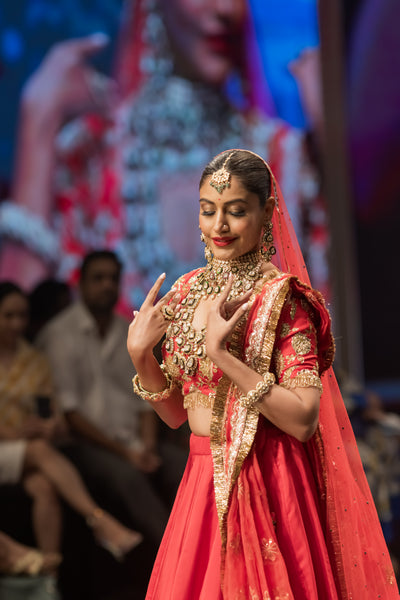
{"x":123,"y":173}
{"x":273,"y":502}
{"x":26,"y":433}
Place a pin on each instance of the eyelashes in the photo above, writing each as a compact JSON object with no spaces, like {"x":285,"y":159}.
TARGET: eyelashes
{"x":209,"y":213}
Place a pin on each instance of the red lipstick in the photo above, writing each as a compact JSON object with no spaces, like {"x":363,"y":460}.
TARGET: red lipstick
{"x":223,"y":241}
{"x":221,"y":44}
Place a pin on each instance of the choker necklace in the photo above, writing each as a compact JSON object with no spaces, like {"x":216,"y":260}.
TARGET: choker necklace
{"x":246,"y":270}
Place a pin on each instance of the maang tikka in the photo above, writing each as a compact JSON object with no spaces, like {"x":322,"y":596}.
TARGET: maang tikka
{"x":221,"y":179}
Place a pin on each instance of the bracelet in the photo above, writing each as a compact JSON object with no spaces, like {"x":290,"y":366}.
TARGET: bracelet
{"x":153,"y":396}
{"x":262,"y":388}
{"x":24,"y":227}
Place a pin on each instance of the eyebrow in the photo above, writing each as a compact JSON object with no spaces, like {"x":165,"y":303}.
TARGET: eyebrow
{"x":226,"y":203}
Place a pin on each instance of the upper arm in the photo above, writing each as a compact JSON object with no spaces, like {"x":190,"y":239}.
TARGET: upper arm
{"x":295,"y":355}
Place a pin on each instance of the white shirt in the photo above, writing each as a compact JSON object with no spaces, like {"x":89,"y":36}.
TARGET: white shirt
{"x":93,"y":374}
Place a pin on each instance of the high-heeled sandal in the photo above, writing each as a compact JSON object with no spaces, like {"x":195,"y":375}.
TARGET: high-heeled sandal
{"x":118,"y":552}
{"x":32,"y":563}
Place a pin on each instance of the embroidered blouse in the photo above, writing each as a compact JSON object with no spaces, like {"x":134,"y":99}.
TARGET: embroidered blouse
{"x":294,"y":362}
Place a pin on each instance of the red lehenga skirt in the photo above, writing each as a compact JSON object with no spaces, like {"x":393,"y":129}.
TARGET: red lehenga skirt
{"x":188,"y":563}
{"x":187,"y":566}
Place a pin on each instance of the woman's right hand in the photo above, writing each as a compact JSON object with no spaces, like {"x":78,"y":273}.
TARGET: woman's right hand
{"x":149,"y":324}
{"x":65,"y":85}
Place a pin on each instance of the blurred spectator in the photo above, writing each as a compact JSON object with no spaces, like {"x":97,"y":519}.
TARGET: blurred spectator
{"x":46,"y":300}
{"x":117,"y":447}
{"x":29,"y":426}
{"x":377,"y":432}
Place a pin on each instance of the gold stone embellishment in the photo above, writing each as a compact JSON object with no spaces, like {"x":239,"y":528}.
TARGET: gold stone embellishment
{"x":221,"y":179}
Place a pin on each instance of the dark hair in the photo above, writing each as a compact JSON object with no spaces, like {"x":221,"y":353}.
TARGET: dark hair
{"x":9,"y":287}
{"x":91,"y":257}
{"x":48,"y":298}
{"x":249,"y":168}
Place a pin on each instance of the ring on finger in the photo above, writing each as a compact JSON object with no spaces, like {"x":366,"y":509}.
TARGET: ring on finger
{"x":167,"y":313}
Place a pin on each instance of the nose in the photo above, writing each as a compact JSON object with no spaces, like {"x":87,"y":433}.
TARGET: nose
{"x":231,"y":10}
{"x":221,"y":224}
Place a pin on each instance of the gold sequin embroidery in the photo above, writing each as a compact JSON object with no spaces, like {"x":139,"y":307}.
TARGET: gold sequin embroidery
{"x":293,"y":308}
{"x":269,"y":549}
{"x":301,"y":344}
{"x":195,"y":399}
{"x":279,"y":362}
{"x":303,"y":379}
{"x":236,"y":544}
{"x":285,"y":330}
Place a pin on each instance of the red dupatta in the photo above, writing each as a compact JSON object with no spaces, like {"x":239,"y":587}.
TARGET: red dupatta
{"x":357,"y":549}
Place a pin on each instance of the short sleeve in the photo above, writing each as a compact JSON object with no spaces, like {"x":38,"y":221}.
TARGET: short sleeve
{"x":295,"y":355}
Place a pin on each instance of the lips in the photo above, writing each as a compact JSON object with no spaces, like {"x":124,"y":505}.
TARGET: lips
{"x":222,"y":44}
{"x":223,"y":241}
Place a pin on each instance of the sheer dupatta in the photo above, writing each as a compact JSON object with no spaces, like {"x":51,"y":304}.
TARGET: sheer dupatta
{"x":356,"y":547}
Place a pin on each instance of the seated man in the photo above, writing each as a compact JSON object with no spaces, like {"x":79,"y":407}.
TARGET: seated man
{"x":117,"y":449}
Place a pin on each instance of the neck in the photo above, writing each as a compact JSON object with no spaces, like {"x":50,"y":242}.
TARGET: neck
{"x":103,"y":320}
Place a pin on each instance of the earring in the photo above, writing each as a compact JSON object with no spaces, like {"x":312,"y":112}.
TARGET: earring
{"x":207,"y":252}
{"x":267,"y":247}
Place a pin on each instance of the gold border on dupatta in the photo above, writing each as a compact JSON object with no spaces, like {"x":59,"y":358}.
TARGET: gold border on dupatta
{"x":257,"y":356}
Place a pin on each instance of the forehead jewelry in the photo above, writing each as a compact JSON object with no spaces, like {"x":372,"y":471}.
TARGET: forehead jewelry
{"x":221,"y":179}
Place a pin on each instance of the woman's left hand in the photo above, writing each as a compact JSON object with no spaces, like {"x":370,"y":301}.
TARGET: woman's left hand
{"x":222,"y":319}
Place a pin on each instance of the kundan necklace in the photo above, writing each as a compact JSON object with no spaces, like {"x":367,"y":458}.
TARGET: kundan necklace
{"x":210,"y":282}
{"x":246,"y":270}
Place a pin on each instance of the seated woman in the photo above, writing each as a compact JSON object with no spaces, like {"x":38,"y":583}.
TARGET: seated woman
{"x":27,"y":454}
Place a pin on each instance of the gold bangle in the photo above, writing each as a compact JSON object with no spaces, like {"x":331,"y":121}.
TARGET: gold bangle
{"x":262,"y":387}
{"x":153,"y":396}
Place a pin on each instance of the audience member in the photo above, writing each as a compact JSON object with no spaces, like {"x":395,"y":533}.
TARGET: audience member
{"x":377,"y":432}
{"x":29,"y":424}
{"x":46,"y":300}
{"x":117,"y":449}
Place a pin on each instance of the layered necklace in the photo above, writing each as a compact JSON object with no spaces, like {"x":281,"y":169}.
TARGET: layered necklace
{"x":210,"y":282}
{"x":246,"y":270}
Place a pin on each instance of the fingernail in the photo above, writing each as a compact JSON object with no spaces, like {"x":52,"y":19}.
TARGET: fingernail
{"x":245,"y":306}
{"x":135,"y":312}
{"x":100,"y":38}
{"x":162,"y":275}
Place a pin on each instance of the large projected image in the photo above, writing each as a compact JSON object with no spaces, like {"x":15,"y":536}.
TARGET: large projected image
{"x":113,"y":160}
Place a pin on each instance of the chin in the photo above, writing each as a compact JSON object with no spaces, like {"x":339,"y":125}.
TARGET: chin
{"x":225,"y":254}
{"x":214,"y":70}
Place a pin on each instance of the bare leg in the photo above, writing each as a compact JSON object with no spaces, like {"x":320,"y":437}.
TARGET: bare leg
{"x":46,"y":514}
{"x":66,"y":480}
